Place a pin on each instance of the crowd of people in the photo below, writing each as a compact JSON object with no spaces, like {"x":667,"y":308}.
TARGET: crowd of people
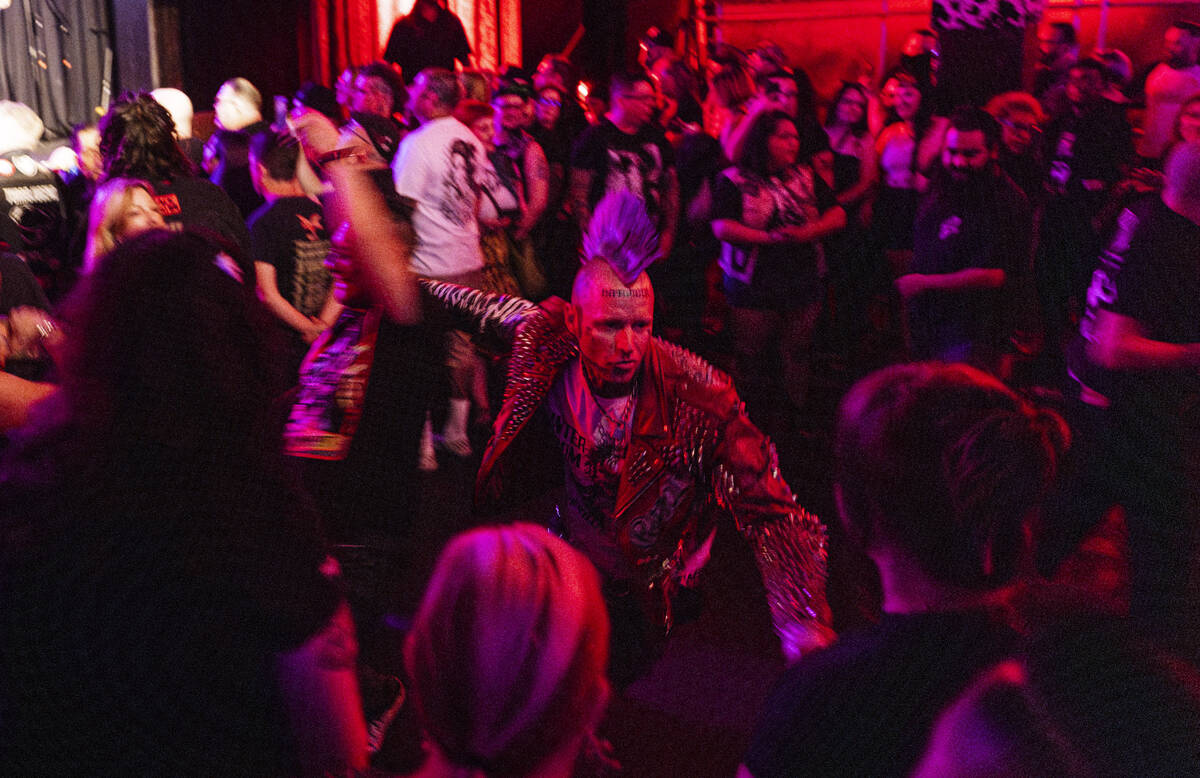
{"x":213,"y":444}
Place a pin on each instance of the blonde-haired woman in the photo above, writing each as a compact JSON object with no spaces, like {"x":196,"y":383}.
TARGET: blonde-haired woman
{"x":507,"y":655}
{"x":121,"y":208}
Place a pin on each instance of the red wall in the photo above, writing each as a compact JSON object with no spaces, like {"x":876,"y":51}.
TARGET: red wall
{"x":834,"y":39}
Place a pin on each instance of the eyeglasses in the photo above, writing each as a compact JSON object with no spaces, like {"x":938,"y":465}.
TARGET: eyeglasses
{"x":1020,"y":126}
{"x":550,"y":102}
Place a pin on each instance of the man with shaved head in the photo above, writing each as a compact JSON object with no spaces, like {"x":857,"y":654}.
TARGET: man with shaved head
{"x":1143,"y":328}
{"x":653,"y":442}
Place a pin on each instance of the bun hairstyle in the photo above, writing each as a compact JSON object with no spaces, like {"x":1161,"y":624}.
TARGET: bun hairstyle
{"x":508,"y":651}
{"x":946,"y":463}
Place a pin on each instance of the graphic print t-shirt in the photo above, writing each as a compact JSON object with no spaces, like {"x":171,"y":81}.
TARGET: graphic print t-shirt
{"x":594,"y":433}
{"x":620,"y":162}
{"x":289,"y":234}
{"x":772,"y":276}
{"x":441,"y":166}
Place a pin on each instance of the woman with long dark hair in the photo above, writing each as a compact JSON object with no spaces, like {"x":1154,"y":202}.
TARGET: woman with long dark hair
{"x":906,"y":148}
{"x":771,"y":212}
{"x":164,"y":603}
{"x":855,"y":172}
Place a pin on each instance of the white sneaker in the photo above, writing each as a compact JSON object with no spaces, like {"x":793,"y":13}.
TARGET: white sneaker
{"x":458,"y":446}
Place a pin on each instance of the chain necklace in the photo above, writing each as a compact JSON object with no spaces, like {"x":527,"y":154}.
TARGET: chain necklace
{"x":618,"y":433}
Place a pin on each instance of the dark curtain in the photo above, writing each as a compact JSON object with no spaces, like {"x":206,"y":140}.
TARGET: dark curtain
{"x":979,"y":64}
{"x":55,"y":57}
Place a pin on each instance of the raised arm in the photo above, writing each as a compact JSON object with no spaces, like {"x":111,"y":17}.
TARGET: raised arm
{"x":492,"y":315}
{"x":381,"y":244}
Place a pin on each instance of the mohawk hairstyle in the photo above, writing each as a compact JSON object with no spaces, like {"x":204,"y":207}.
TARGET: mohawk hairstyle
{"x":622,"y":235}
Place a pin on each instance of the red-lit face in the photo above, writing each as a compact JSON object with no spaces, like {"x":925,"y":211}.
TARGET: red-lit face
{"x":1051,"y":44}
{"x":966,"y":153}
{"x":887,"y":93}
{"x":549,"y":107}
{"x":613,"y":323}
{"x":786,"y":96}
{"x":1189,"y":121}
{"x":1017,"y":131}
{"x":636,"y":106}
{"x":511,"y":111}
{"x":140,"y":215}
{"x":852,"y":107}
{"x":783,"y":145}
{"x":1180,"y":48}
{"x":907,"y":100}
{"x":1084,"y":85}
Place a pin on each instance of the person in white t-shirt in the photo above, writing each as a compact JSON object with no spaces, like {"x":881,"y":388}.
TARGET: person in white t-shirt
{"x":439,"y":167}
{"x":1167,"y":87}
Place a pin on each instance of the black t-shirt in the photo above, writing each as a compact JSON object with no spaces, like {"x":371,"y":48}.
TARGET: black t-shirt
{"x":197,"y":202}
{"x":1028,"y":171}
{"x":987,"y":224}
{"x":1101,"y":290}
{"x":619,"y":161}
{"x":700,"y":160}
{"x":781,"y":276}
{"x":375,"y":488}
{"x":1090,"y":146}
{"x":19,"y":286}
{"x":232,"y":151}
{"x":415,"y":44}
{"x":289,"y":234}
{"x":866,"y":705}
{"x":1159,"y":286}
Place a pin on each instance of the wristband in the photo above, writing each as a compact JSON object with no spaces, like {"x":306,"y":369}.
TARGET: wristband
{"x":342,"y":153}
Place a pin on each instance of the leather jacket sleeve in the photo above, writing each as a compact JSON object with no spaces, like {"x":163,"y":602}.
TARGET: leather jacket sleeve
{"x":789,"y":543}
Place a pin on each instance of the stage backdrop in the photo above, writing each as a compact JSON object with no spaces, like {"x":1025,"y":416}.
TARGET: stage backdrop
{"x":56,"y":57}
{"x":353,"y":32}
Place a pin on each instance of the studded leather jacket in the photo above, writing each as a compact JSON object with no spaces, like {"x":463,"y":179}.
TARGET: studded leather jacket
{"x":689,"y":426}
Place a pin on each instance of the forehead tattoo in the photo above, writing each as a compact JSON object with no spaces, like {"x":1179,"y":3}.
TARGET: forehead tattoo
{"x":625,"y":292}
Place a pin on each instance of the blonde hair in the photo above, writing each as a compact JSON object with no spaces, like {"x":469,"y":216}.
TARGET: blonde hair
{"x":508,"y":650}
{"x":106,"y":217}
